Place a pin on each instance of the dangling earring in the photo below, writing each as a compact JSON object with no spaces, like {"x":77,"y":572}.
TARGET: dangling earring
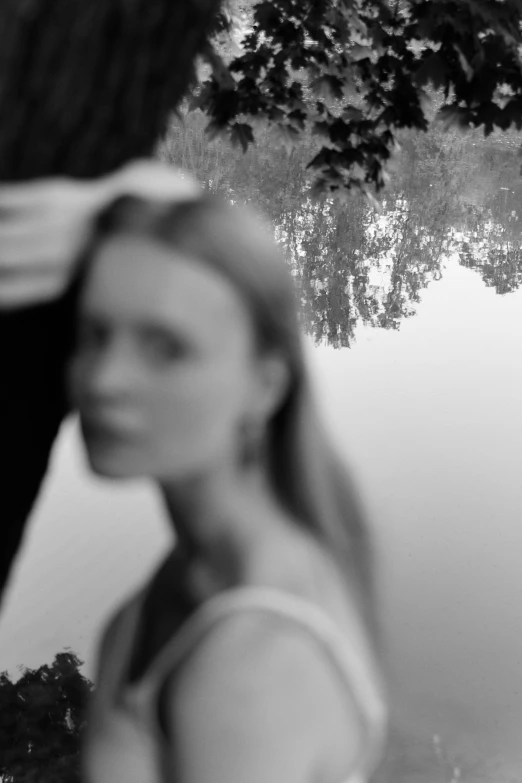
{"x":252,"y":441}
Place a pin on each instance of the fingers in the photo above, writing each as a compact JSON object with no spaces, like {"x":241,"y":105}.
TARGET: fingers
{"x":29,"y":196}
{"x":26,"y":276}
{"x":54,"y":256}
{"x":44,"y":224}
{"x":148,"y":178}
{"x":152,"y":179}
{"x":41,"y":250}
{"x":43,"y":228}
{"x":24,"y":291}
{"x":16,"y":231}
{"x":52,"y":196}
{"x":38,"y":269}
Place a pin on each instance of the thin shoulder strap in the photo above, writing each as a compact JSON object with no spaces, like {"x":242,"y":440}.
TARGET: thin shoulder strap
{"x":347,"y":653}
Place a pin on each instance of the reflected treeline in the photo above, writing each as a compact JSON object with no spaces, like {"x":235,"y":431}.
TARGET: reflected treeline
{"x":493,"y":247}
{"x":450,"y":194}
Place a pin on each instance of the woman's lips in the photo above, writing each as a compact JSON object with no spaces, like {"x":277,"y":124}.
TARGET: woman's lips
{"x":99,"y":430}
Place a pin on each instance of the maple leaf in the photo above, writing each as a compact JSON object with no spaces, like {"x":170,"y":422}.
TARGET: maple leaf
{"x":328,"y":87}
{"x":454,"y":117}
{"x":433,"y":70}
{"x":241,"y":135}
{"x":215,"y":130}
{"x":365,"y":64}
{"x":358,"y":52}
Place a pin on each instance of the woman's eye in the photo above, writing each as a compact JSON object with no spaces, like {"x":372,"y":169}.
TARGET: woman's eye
{"x":90,"y":336}
{"x":165,"y":348}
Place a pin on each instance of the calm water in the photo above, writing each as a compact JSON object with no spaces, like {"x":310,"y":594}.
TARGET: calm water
{"x":430,"y":418}
{"x":418,"y":315}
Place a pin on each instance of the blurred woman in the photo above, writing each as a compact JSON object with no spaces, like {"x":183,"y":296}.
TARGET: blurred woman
{"x":250,"y":653}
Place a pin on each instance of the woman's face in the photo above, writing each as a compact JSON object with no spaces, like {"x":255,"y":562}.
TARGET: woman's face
{"x":164,"y":370}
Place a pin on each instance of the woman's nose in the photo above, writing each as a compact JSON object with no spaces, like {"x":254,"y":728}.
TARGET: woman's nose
{"x":110,"y":374}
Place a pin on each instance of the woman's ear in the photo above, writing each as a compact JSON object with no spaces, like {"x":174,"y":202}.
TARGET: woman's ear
{"x":273,"y":383}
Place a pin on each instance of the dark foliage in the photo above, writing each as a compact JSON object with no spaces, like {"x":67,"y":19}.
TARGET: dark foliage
{"x":42,"y":716}
{"x":85,"y":85}
{"x":450,"y":195}
{"x":354,"y":73}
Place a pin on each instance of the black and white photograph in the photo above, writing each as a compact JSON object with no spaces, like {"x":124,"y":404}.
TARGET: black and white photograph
{"x":260,"y":391}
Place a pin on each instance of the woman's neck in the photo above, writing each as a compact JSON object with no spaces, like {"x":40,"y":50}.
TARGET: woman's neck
{"x":220,"y":520}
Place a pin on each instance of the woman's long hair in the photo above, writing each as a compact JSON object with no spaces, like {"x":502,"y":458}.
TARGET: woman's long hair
{"x":306,"y":473}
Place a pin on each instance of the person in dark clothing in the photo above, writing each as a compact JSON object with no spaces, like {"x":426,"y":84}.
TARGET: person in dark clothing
{"x":34,"y":346}
{"x":39,"y":245}
{"x":85,"y":88}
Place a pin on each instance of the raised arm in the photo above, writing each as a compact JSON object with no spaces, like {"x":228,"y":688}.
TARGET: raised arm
{"x":43,"y":227}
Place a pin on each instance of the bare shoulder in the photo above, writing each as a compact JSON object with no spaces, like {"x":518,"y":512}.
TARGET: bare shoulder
{"x":260,"y":700}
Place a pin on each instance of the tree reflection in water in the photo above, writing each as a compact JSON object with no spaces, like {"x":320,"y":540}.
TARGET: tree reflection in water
{"x":449,"y":194}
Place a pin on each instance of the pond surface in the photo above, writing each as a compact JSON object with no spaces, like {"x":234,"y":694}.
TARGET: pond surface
{"x":423,"y":401}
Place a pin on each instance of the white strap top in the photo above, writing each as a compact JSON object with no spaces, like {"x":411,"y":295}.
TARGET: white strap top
{"x":124,"y":742}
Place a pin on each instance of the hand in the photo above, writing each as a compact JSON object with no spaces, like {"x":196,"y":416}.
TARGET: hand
{"x":45,"y":224}
{"x":43,"y":227}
